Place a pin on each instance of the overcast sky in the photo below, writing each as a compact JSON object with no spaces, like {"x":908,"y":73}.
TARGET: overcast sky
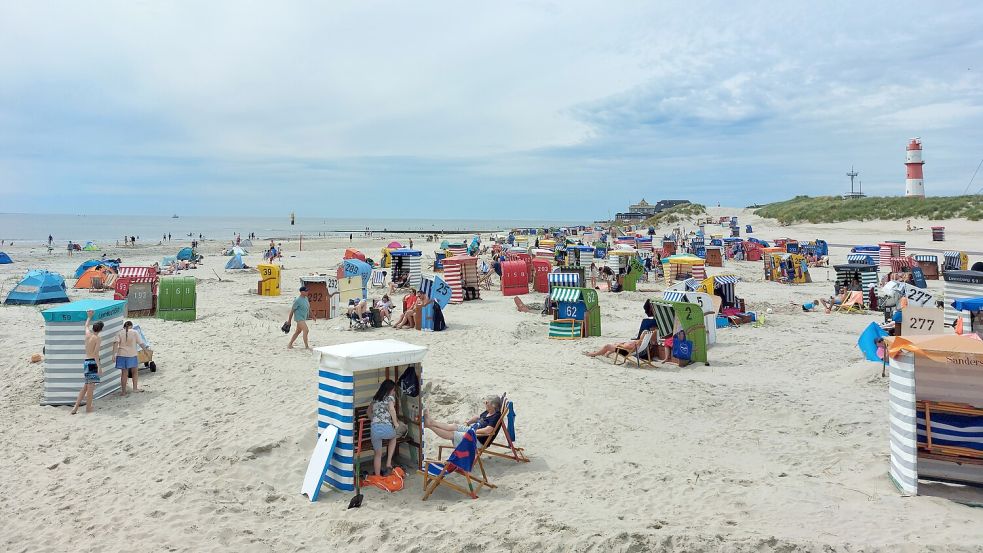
{"x":563,"y":109}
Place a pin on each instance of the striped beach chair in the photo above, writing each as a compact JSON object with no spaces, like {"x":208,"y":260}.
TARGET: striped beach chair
{"x":566,"y":329}
{"x":378,"y":278}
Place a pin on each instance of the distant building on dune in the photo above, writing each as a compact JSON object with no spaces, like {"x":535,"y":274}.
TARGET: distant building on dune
{"x":643,"y":210}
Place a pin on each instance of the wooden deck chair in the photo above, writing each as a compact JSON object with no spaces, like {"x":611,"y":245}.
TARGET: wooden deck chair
{"x":853,"y":304}
{"x":635,"y":356}
{"x":378,"y":278}
{"x":507,"y":421}
{"x":461,"y":461}
{"x":485,"y":280}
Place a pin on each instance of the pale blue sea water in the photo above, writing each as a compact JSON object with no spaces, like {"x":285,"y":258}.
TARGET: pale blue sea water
{"x":104,"y":228}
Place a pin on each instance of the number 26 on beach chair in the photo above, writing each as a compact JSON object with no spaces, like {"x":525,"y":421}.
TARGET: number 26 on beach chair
{"x":461,"y":461}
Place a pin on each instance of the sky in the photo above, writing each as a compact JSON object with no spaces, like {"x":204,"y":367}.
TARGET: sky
{"x":451,"y":109}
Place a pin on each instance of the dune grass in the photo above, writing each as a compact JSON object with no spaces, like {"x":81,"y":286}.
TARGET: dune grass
{"x":675,"y":214}
{"x":833,"y":209}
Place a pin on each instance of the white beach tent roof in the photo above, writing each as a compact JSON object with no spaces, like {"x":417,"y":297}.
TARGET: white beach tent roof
{"x":372,"y":354}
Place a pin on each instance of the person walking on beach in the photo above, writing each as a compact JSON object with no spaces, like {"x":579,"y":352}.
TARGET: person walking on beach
{"x":71,"y":247}
{"x":168,"y":237}
{"x":91,"y":368}
{"x":125,"y":356}
{"x":50,"y":240}
{"x":299,"y":312}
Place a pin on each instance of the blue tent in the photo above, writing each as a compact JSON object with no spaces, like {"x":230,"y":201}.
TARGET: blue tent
{"x":968,"y":304}
{"x":38,"y":287}
{"x":235,"y":262}
{"x":186,"y":254}
{"x":4,"y":259}
{"x":95,"y":263}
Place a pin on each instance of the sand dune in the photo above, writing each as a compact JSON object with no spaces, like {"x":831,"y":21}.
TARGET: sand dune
{"x":781,"y":444}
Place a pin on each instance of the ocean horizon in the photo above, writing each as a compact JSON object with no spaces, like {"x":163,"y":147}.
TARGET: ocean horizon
{"x":151,"y":228}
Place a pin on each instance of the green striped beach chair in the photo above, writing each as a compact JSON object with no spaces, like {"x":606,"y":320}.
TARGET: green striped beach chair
{"x":566,"y":329}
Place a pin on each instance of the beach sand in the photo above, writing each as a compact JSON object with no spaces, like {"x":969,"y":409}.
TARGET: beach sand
{"x":781,"y":444}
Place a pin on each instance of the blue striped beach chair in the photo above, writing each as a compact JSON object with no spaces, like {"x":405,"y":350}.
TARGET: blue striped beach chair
{"x":378,"y":278}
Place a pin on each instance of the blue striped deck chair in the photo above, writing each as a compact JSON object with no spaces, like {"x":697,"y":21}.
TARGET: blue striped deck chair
{"x":511,"y":451}
{"x":461,"y":461}
{"x":566,"y":329}
{"x":950,"y":429}
{"x":378,"y":278}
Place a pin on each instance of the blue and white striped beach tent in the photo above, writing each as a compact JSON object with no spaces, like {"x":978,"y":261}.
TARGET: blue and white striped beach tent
{"x":557,"y":278}
{"x":64,"y":349}
{"x":861,"y":258}
{"x":347,"y":377}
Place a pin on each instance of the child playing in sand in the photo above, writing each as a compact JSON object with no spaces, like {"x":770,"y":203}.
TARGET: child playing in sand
{"x":91,"y":364}
{"x":383,"y":425}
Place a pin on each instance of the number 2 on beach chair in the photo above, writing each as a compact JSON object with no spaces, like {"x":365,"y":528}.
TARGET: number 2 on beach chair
{"x":461,"y":461}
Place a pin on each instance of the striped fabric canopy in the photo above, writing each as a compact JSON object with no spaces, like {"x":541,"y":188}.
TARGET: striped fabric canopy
{"x":928,"y":258}
{"x":726,"y":279}
{"x":860,"y":258}
{"x":902,"y":262}
{"x":137,"y":272}
{"x":950,"y":254}
{"x":563,"y":279}
{"x":665,"y":317}
{"x":674,"y":295}
{"x":562,"y":293}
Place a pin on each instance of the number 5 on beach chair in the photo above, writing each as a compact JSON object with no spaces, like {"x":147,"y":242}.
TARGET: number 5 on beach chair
{"x":461,"y":461}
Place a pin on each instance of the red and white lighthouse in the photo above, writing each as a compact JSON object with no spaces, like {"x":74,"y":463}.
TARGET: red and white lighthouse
{"x":914,"y":185}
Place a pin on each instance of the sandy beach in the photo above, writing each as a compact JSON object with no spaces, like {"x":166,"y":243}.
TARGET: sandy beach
{"x":780,"y":444}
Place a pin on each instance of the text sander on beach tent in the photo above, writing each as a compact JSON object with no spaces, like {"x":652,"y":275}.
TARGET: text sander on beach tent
{"x":5,"y":259}
{"x":38,"y":287}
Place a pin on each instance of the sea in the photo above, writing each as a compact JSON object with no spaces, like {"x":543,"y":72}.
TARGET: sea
{"x":35,"y":227}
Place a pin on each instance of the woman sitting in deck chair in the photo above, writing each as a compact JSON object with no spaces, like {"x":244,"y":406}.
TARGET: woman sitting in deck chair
{"x":630,"y":346}
{"x":399,"y":281}
{"x":484,"y":424}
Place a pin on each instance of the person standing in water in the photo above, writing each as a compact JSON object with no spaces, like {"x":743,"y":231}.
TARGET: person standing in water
{"x":299,"y":312}
{"x":91,"y":368}
{"x":125,"y":354}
